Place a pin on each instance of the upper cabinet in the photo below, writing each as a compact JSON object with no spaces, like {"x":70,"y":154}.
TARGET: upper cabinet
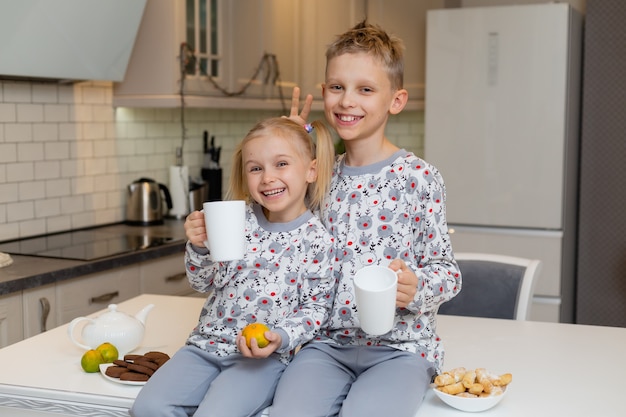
{"x":320,"y":22}
{"x":214,"y":53}
{"x":251,"y":53}
{"x":406,"y":19}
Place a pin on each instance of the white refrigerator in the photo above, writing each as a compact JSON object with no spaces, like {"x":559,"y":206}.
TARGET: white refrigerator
{"x":502,"y":125}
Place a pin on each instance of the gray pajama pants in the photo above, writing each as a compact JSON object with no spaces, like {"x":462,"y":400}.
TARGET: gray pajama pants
{"x":352,"y":381}
{"x":194,"y":382}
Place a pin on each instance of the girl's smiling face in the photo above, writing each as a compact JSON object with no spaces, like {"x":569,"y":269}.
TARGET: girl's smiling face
{"x":278,"y":173}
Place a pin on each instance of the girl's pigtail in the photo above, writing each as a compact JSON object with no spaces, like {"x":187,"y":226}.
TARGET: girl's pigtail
{"x":325,"y":156}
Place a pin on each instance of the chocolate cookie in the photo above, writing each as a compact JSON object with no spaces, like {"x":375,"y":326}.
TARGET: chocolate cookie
{"x":121,"y":363}
{"x":148,"y":364}
{"x":134,"y":376}
{"x":156,"y":355}
{"x":115,"y":371}
{"x":140,"y":368}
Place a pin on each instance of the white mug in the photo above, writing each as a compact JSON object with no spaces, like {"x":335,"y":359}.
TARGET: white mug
{"x":375,"y":289}
{"x":225,"y":223}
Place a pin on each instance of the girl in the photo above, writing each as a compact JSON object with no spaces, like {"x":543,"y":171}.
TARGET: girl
{"x":285,"y":280}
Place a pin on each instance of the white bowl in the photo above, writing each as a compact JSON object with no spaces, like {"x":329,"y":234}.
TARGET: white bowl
{"x":470,"y":404}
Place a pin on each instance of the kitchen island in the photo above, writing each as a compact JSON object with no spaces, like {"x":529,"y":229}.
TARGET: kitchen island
{"x":558,"y":369}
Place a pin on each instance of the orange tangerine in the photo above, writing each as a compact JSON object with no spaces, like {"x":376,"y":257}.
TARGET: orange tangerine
{"x":108,"y":351}
{"x":256,"y":331}
{"x":91,"y":361}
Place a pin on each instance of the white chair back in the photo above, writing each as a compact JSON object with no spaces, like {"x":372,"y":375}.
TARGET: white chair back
{"x":496,"y":286}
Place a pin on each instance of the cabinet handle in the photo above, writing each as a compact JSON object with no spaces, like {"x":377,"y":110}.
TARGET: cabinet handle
{"x":177,"y":277}
{"x":104,"y":298}
{"x":45,"y":310}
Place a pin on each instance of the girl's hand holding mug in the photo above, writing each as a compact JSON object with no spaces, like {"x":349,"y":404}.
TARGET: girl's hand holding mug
{"x":195,"y":229}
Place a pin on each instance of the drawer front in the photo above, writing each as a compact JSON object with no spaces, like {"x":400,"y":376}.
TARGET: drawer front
{"x":10,"y":319}
{"x":85,"y":295}
{"x":165,"y":276}
{"x":40,"y":308}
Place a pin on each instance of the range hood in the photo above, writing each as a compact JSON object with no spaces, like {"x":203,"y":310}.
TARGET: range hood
{"x":67,"y":40}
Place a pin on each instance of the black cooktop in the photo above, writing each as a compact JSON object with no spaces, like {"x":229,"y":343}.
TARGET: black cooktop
{"x":82,"y":245}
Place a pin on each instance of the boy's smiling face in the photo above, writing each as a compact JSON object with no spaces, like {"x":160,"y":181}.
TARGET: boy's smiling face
{"x":358,"y":97}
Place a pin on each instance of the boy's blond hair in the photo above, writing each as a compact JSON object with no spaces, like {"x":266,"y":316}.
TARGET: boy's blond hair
{"x":373,"y":40}
{"x":323,"y":151}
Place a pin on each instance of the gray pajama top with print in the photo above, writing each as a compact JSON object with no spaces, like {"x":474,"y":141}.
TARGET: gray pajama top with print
{"x":285,"y":281}
{"x":377,"y":213}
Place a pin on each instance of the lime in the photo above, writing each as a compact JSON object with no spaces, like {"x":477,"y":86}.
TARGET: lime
{"x":108,"y":351}
{"x":91,"y":361}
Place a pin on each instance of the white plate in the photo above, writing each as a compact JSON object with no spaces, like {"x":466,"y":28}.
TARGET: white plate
{"x":103,"y":368}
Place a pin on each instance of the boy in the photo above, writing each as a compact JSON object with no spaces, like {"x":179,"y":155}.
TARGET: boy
{"x":385,"y":206}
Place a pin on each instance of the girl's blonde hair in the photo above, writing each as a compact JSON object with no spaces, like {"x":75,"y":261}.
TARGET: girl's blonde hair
{"x":323,"y":151}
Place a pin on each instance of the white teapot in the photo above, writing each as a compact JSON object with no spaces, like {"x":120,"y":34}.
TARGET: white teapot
{"x":125,"y":332}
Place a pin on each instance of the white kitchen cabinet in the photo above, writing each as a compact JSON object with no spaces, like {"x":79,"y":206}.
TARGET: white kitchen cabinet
{"x":406,"y":19}
{"x":320,"y":22}
{"x":165,"y":275}
{"x":90,"y":293}
{"x":39,"y":309}
{"x":11,"y":327}
{"x":247,"y":30}
{"x":294,"y":33}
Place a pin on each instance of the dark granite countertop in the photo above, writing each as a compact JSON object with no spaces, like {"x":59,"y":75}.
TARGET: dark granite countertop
{"x":33,"y":271}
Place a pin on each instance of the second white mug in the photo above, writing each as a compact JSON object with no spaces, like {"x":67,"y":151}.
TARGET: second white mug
{"x":375,"y":289}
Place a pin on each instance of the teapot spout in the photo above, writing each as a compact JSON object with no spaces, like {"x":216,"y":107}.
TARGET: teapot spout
{"x":141,"y":316}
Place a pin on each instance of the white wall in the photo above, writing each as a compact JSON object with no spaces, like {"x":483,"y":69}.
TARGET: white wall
{"x":66,"y":155}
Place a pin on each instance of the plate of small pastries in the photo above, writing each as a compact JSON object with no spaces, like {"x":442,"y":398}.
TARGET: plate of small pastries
{"x":471,"y":389}
{"x":134,"y":369}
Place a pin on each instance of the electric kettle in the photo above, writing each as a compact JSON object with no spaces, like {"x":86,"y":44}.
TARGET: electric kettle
{"x":144,"y":202}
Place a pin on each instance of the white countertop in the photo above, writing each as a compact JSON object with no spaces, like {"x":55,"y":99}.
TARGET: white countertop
{"x":558,"y":369}
{"x":45,"y":369}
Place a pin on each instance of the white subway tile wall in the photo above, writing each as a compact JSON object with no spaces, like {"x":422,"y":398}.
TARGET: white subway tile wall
{"x":67,"y":155}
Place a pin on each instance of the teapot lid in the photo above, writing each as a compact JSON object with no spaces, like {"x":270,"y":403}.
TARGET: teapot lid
{"x":113,"y":314}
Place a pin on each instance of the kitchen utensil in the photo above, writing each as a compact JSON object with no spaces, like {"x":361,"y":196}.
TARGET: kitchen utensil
{"x":125,"y":332}
{"x":144,"y":202}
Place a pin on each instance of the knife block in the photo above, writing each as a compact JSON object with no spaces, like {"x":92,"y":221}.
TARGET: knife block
{"x":213,"y":177}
